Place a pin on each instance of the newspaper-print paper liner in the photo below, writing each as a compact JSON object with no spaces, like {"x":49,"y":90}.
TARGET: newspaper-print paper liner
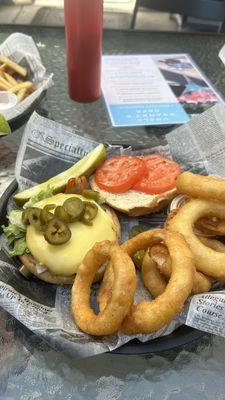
{"x":22,"y":49}
{"x":45,"y":308}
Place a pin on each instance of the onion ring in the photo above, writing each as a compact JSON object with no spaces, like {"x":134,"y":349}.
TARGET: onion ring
{"x":215,"y":245}
{"x":150,"y":316}
{"x":199,"y":186}
{"x":151,"y":276}
{"x":207,"y":260}
{"x":124,"y":284}
{"x":204,"y":226}
{"x":160,"y":256}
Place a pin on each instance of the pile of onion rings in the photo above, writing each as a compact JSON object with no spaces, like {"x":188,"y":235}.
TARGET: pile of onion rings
{"x":206,"y":209}
{"x":116,"y":294}
{"x":177,"y":263}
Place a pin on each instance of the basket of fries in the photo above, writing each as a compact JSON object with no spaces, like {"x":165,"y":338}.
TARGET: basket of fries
{"x":13,"y":79}
{"x":23,"y":79}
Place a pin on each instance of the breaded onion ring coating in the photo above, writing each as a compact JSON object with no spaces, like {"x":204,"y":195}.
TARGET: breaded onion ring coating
{"x":160,"y":256}
{"x":199,"y":186}
{"x":207,"y":260}
{"x":123,"y":288}
{"x":105,"y":290}
{"x":151,"y":276}
{"x":150,"y":316}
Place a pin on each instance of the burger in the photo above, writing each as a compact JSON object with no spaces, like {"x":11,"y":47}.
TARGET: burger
{"x":57,"y":233}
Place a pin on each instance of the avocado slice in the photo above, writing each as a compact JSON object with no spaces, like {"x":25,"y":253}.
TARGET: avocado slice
{"x":85,"y":166}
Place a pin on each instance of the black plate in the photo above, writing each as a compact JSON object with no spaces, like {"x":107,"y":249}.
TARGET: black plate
{"x":181,"y":336}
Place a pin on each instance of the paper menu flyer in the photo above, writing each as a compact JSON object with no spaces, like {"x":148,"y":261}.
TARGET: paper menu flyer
{"x":154,"y":89}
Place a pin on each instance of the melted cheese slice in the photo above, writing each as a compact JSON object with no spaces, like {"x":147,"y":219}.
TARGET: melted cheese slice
{"x":65,"y":258}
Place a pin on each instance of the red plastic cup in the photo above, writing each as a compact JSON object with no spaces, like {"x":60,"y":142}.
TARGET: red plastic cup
{"x":84,"y":26}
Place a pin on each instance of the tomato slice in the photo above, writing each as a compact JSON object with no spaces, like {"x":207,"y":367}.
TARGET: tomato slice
{"x":161,"y":175}
{"x":118,"y":174}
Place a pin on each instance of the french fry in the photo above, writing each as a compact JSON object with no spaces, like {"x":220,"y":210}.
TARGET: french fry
{"x":29,"y":86}
{"x":3,"y":87}
{"x":10,"y":79}
{"x":13,"y":85}
{"x":5,"y":82}
{"x":21,"y":94}
{"x":14,"y":66}
{"x":3,"y":67}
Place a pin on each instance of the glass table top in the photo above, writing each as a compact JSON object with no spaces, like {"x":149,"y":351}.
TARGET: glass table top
{"x":30,"y":369}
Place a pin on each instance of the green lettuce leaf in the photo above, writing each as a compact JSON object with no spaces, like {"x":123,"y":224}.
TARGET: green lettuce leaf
{"x":19,"y":248}
{"x":13,"y":232}
{"x":15,"y":218}
{"x":16,"y":233}
{"x":16,"y":230}
{"x":43,"y":194}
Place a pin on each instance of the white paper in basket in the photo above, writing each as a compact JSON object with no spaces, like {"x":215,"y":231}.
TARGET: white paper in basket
{"x":22,"y":49}
{"x":43,"y":143}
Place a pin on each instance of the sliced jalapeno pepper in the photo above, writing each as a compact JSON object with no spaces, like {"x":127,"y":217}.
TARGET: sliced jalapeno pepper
{"x":32,"y":216}
{"x":91,"y":194}
{"x":25,"y":218}
{"x":61,"y":213}
{"x":45,"y":215}
{"x":57,"y":232}
{"x":75,"y":208}
{"x":90,"y":212}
